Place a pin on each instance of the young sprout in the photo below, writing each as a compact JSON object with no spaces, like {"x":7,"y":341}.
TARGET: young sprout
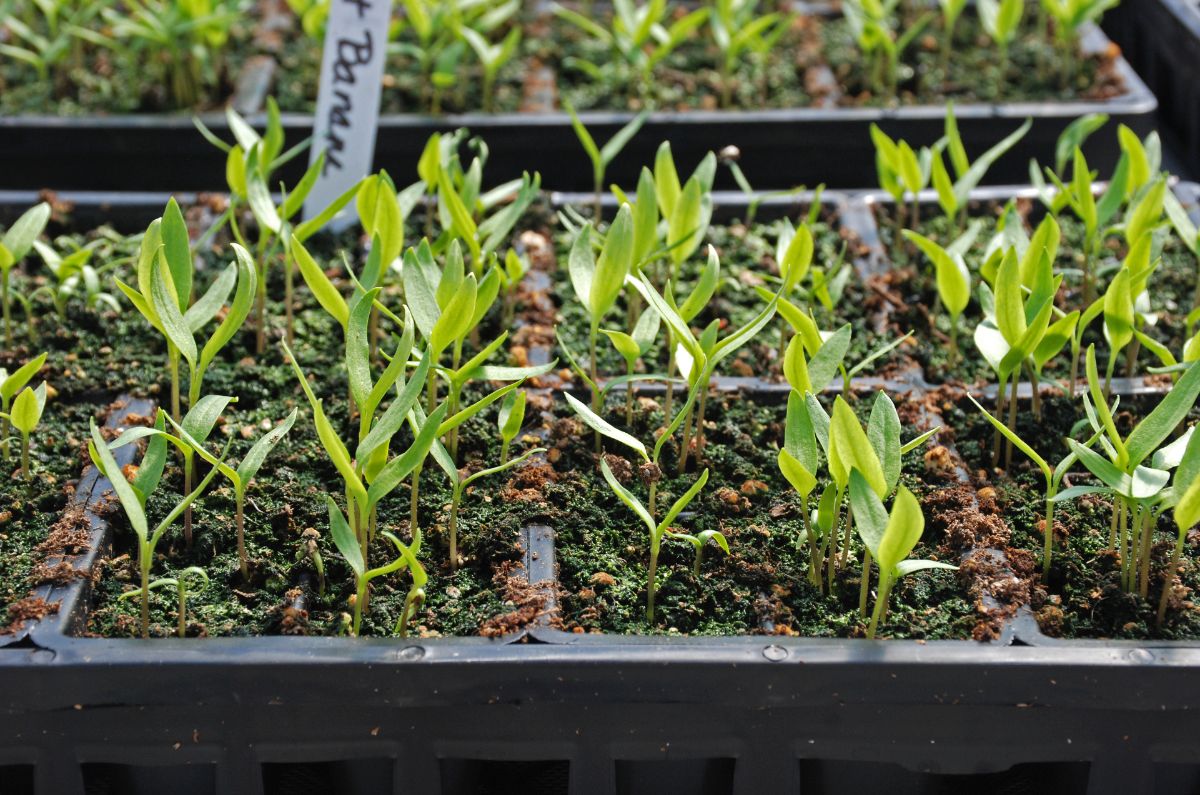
{"x":598,"y":281}
{"x":193,"y":433}
{"x":26,"y":414}
{"x":132,"y":497}
{"x":443,"y":32}
{"x":345,"y":538}
{"x":737,"y":30}
{"x":811,"y":433}
{"x":699,"y":541}
{"x":1137,"y":489}
{"x":511,"y":275}
{"x":241,"y":477}
{"x":447,"y":306}
{"x":901,"y":170}
{"x":1069,"y":18}
{"x":686,"y":207}
{"x":180,"y":584}
{"x":873,"y":23}
{"x":14,"y":245}
{"x":633,"y":347}
{"x":601,"y":157}
{"x":164,"y":298}
{"x":953,"y":278}
{"x":657,"y":530}
{"x":510,"y":420}
{"x":889,"y":537}
{"x":640,"y":37}
{"x":1185,"y":490}
{"x":11,"y":385}
{"x":492,"y":57}
{"x":1053,"y":476}
{"x":1001,"y":19}
{"x":698,"y":357}
{"x":1016,"y":326}
{"x":310,"y":549}
{"x":370,"y":475}
{"x":951,"y":11}
{"x":459,"y":484}
{"x":1095,"y":214}
{"x":954,"y":194}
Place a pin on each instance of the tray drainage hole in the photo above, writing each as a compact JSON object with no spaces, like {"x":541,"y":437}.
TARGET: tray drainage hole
{"x":338,"y":777}
{"x":693,"y":776}
{"x":505,"y":777}
{"x":16,"y":779}
{"x":838,"y":776}
{"x":101,"y":778}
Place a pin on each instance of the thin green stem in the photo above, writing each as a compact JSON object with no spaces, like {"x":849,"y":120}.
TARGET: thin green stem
{"x":26,"y":473}
{"x":1169,"y":580}
{"x":865,"y":585}
{"x":650,"y":585}
{"x":885,"y":590}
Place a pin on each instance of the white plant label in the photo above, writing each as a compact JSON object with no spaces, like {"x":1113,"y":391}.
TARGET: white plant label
{"x":348,"y":100}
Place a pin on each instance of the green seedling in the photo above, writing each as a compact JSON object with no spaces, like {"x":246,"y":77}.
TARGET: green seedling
{"x":739,"y":30}
{"x":874,"y":26}
{"x":601,"y":157}
{"x":1053,"y":476}
{"x":14,"y":245}
{"x":697,"y":357}
{"x":657,"y":530}
{"x":510,"y":420}
{"x":345,"y":538}
{"x":189,"y":36}
{"x":492,"y":57}
{"x":459,"y":485}
{"x":133,"y":496}
{"x":954,"y":194}
{"x":633,"y":347}
{"x":193,"y":432}
{"x":953,"y":278}
{"x":1016,"y":327}
{"x":310,"y":549}
{"x":438,"y":36}
{"x":1095,"y":213}
{"x":26,"y":413}
{"x":639,"y":37}
{"x":951,"y":11}
{"x":810,"y":435}
{"x":889,"y":537}
{"x":699,"y":541}
{"x":1001,"y":19}
{"x":180,"y":584}
{"x":598,"y":281}
{"x":241,"y":477}
{"x":11,"y":385}
{"x":1138,"y":491}
{"x":902,"y":171}
{"x":1069,"y":17}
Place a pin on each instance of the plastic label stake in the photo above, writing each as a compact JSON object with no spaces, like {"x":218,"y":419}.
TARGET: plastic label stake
{"x":348,"y":99}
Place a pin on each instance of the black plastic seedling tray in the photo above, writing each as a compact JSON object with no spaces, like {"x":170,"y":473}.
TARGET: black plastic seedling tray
{"x":1161,"y":38}
{"x":547,"y":711}
{"x":780,"y":148}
